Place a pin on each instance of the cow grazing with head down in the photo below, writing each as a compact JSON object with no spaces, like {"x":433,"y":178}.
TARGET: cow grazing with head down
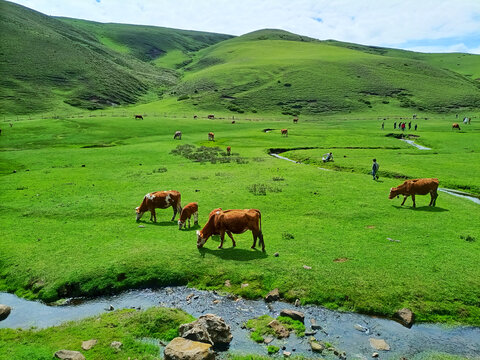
{"x":229,"y":150}
{"x":138,"y":117}
{"x":187,"y":212}
{"x":211,"y":116}
{"x":284,"y":132}
{"x":295,"y":120}
{"x":232,"y":221}
{"x":177,"y":135}
{"x":159,"y":200}
{"x":195,"y":116}
{"x":455,"y":126}
{"x":211,"y":136}
{"x":416,"y":187}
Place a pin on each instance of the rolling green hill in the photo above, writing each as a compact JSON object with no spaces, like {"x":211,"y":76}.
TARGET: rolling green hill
{"x":262,"y":72}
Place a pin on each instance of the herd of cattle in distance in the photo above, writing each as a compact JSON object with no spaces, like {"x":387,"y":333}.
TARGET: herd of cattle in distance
{"x":236,"y":221}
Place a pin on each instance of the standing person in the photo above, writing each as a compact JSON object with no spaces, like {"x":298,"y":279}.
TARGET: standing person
{"x":375,"y":167}
{"x":409,"y":125}
{"x":403,"y":126}
{"x":383,"y":125}
{"x":415,"y":127}
{"x":394,"y":125}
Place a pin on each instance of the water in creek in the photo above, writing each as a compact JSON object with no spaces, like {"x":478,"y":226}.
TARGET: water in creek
{"x":337,"y":328}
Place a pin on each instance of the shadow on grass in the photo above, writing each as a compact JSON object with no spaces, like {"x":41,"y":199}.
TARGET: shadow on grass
{"x":422,"y":208}
{"x":234,"y":253}
{"x":192,"y":228}
{"x":159,"y":223}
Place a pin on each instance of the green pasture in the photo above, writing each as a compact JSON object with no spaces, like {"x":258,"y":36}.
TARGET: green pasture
{"x":70,"y":230}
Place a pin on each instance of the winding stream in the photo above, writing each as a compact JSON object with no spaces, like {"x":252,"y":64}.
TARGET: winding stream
{"x":411,"y":142}
{"x":337,"y":327}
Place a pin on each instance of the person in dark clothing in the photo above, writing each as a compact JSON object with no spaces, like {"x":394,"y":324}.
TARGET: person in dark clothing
{"x":375,"y":167}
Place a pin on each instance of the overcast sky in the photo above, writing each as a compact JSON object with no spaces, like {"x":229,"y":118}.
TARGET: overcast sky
{"x":419,"y":25}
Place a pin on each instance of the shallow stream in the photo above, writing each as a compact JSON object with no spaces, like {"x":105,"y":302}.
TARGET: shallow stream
{"x":338,"y":328}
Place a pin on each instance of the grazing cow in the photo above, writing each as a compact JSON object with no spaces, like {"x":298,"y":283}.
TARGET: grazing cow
{"x":177,"y":135}
{"x":232,"y":221}
{"x":187,"y":212}
{"x":295,"y":120}
{"x":195,"y":116}
{"x":211,"y":116}
{"x":159,"y":200}
{"x":455,"y":126}
{"x":284,"y":132}
{"x":416,"y":187}
{"x":229,"y":149}
{"x":138,"y":117}
{"x":233,"y":121}
{"x":211,"y":136}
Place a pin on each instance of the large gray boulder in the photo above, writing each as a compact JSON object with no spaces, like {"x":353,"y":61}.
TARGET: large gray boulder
{"x":293,"y":314}
{"x":209,"y":328}
{"x":4,"y":311}
{"x":69,"y":355}
{"x":184,"y":349}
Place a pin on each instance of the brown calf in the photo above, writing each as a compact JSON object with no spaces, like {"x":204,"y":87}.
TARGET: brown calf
{"x":416,"y":187}
{"x":284,"y":132}
{"x":187,"y":212}
{"x":229,"y":149}
{"x":159,"y":200}
{"x":455,"y":126}
{"x":232,"y":221}
{"x":211,"y":136}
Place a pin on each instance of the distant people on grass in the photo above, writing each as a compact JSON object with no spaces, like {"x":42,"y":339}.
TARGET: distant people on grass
{"x":383,"y":125}
{"x":375,"y":167}
{"x":415,"y":127}
{"x":409,"y":125}
{"x":403,"y":126}
{"x":327,"y":157}
{"x":394,"y":125}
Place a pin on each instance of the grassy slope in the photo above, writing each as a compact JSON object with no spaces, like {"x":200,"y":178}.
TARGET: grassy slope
{"x":126,"y":326}
{"x":266,"y":74}
{"x":60,"y":214}
{"x":46,"y":61}
{"x":149,"y":42}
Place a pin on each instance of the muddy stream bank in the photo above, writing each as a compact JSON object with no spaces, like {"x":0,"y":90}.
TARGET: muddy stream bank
{"x":337,"y":328}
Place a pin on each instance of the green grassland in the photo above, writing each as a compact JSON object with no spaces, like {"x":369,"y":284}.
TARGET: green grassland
{"x":138,"y":331}
{"x":69,"y":230}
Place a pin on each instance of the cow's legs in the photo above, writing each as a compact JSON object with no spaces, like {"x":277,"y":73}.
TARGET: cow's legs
{"x":174,"y":213}
{"x":254,"y":240}
{"x":195,"y":218}
{"x":231,"y":237}
{"x":413,"y":199}
{"x":222,"y":237}
{"x":433,"y":200}
{"x":261,"y":241}
{"x":404,"y":198}
{"x":188,"y":223}
{"x":153,"y":215}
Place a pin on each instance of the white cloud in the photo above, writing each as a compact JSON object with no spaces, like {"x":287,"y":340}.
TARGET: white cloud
{"x":388,"y":23}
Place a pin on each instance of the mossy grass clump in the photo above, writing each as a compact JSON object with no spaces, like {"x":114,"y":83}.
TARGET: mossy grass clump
{"x":272,"y":349}
{"x":260,"y":328}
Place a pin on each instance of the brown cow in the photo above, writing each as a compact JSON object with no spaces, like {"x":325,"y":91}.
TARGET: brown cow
{"x":455,"y":126}
{"x":211,"y":136}
{"x":229,"y":149}
{"x":416,"y":187}
{"x":211,"y":116}
{"x":295,"y":120}
{"x":232,"y":221}
{"x":138,"y":117}
{"x":177,"y":135}
{"x":187,"y":212}
{"x":284,"y":132}
{"x":159,"y":200}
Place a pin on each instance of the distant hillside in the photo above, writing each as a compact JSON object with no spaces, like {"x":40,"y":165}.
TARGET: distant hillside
{"x":47,"y":63}
{"x":259,"y":72}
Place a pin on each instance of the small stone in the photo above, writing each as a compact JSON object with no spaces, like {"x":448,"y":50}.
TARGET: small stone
{"x":307,"y":267}
{"x":111,"y":308}
{"x":141,"y":226}
{"x":216,"y":301}
{"x":4,"y":311}
{"x":287,"y":353}
{"x":87,"y":345}
{"x":284,"y":347}
{"x":69,"y":355}
{"x":268,"y":340}
{"x":315,"y":326}
{"x":279,"y":329}
{"x":273,"y":295}
{"x":297,"y":302}
{"x":316,"y":346}
{"x":244,"y":285}
{"x":184,"y":349}
{"x":276,"y":254}
{"x":375,"y":355}
{"x":360,"y":328}
{"x":405,"y":316}
{"x":227,"y":283}
{"x":379,"y":344}
{"x":116,"y":345}
{"x":190,"y":296}
{"x":310,"y":332}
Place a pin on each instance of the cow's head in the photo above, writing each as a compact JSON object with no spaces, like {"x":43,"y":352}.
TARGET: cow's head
{"x":139,"y":213}
{"x":393,"y":193}
{"x":180,"y":224}
{"x":200,"y":240}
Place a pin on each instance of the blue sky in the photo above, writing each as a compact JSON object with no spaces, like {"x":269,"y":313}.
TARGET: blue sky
{"x":419,"y":25}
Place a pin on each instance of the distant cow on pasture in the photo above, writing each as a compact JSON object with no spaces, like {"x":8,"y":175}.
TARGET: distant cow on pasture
{"x":138,"y":117}
{"x":177,"y":135}
{"x":186,"y":213}
{"x":159,"y":200}
{"x":232,"y":221}
{"x":195,"y":116}
{"x":455,"y":126}
{"x":211,"y":116}
{"x":284,"y":132}
{"x":416,"y":187}
{"x":211,"y":136}
{"x":233,"y":121}
{"x":229,"y":149}
{"x":295,"y":120}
